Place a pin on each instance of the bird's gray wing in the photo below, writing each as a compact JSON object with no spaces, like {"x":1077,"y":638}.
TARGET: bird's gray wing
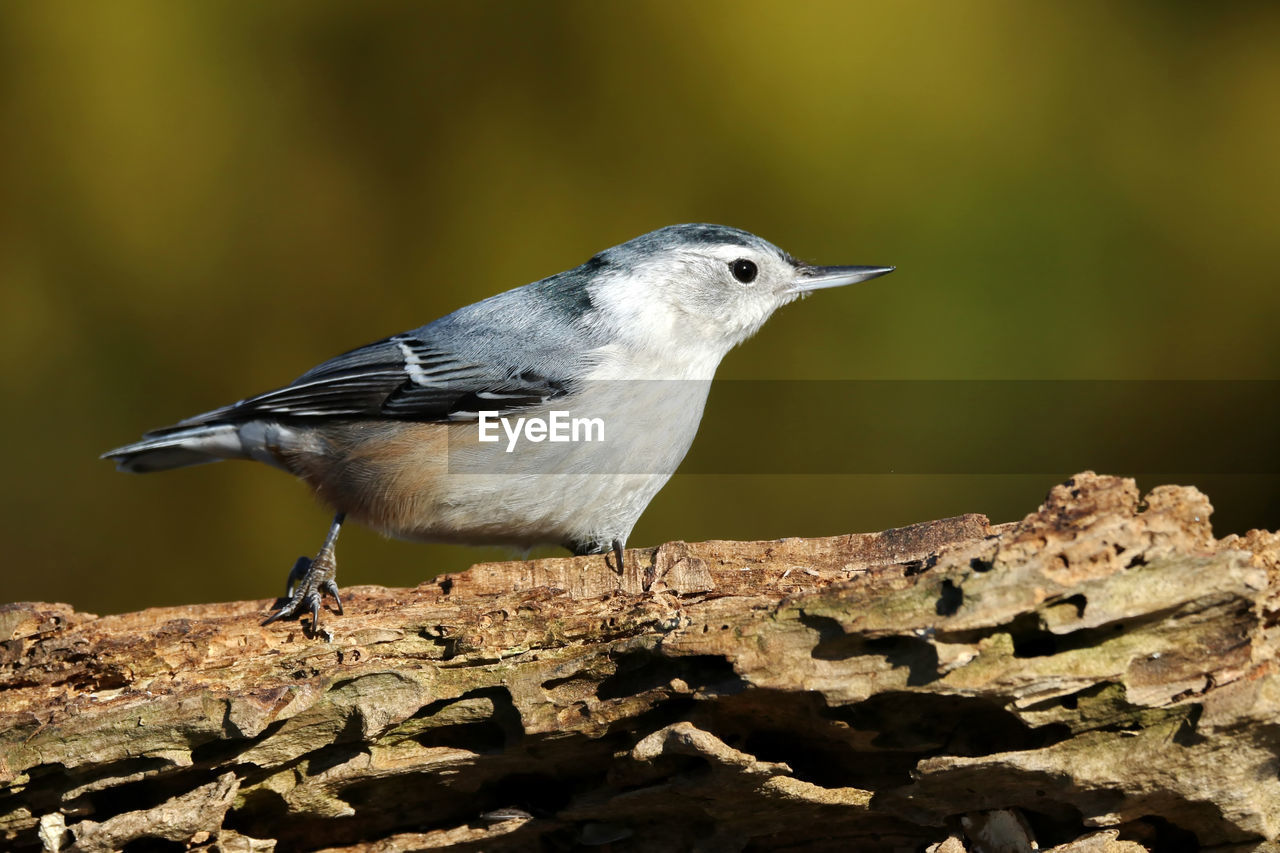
{"x":407,"y":377}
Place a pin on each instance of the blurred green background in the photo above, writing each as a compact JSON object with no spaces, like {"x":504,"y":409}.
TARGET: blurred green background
{"x":202,"y":200}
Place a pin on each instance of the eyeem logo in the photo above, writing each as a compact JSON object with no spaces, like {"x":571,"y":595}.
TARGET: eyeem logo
{"x":558,"y":427}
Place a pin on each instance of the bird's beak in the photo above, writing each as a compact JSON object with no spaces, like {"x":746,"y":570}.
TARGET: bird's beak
{"x":816,"y":278}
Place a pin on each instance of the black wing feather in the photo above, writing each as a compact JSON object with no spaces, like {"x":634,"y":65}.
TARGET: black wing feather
{"x":399,"y":377}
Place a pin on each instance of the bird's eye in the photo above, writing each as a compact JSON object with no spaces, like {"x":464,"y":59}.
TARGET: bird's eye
{"x":744,"y":270}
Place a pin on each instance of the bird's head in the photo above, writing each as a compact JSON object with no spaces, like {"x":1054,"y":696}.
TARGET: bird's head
{"x":705,"y":286}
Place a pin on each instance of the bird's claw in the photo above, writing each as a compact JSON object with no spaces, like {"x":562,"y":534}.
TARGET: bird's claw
{"x":309,"y":581}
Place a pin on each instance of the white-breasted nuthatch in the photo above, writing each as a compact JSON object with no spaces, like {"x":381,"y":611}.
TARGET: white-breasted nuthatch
{"x":390,"y":434}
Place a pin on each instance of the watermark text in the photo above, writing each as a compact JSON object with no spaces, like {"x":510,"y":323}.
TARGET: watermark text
{"x":558,"y":426}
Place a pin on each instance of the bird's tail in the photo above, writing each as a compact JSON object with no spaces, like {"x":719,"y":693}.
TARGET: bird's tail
{"x":179,"y":447}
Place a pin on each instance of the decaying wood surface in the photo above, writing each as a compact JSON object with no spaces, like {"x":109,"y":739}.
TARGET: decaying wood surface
{"x":1100,"y":675}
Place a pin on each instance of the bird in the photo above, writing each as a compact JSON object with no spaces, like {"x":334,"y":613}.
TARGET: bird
{"x":402,"y":435}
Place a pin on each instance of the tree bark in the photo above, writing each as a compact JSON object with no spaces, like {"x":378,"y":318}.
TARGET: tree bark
{"x":1100,"y":675}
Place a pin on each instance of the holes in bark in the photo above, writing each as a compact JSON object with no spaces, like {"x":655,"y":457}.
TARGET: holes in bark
{"x":639,"y":672}
{"x":1187,"y":734}
{"x":41,"y":796}
{"x":259,"y":810}
{"x":538,"y":794}
{"x":875,"y":744}
{"x":1158,"y":833}
{"x":422,"y":800}
{"x":911,"y":568}
{"x":927,"y":724}
{"x":472,"y":737}
{"x":107,"y":678}
{"x":831,"y":765}
{"x":833,"y":643}
{"x":332,"y":756}
{"x":1030,"y":639}
{"x":577,"y":686}
{"x":1079,"y":602}
{"x":950,"y":597}
{"x":916,"y":654}
{"x":439,"y":634}
{"x":215,"y":751}
{"x":1054,"y":823}
{"x":425,"y":800}
{"x":497,"y":732}
{"x":144,"y":793}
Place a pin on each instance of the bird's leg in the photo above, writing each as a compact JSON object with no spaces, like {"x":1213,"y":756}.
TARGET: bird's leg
{"x":582,"y":547}
{"x":310,"y":579}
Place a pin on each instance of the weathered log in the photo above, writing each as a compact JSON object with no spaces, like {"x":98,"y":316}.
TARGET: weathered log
{"x":1100,"y":675}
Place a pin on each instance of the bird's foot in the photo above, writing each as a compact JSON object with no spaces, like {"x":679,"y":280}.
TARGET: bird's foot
{"x":309,"y":581}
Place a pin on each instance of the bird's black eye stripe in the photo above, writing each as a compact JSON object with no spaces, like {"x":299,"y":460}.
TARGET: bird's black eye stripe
{"x":744,"y":270}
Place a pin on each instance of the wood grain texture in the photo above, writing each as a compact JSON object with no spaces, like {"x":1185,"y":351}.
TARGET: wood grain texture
{"x":1100,"y":675}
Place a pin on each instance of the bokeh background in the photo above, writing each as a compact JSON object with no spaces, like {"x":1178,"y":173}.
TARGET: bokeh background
{"x":202,"y":200}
